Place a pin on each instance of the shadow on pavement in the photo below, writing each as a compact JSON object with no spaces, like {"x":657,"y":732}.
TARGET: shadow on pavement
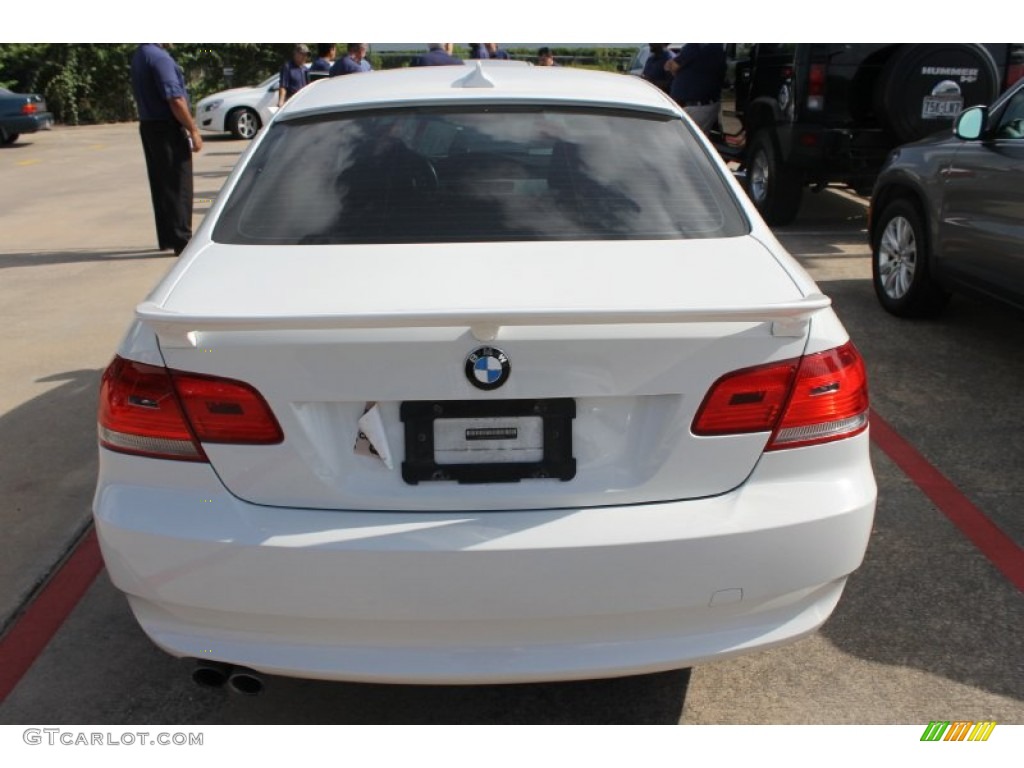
{"x":926,"y":598}
{"x":47,"y":478}
{"x":43,"y":258}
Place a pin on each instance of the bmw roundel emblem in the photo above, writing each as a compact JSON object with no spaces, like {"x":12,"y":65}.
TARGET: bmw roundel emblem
{"x":487,"y":368}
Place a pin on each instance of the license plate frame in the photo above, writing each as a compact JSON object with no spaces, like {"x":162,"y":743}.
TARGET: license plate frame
{"x":420,"y":463}
{"x":941,"y":107}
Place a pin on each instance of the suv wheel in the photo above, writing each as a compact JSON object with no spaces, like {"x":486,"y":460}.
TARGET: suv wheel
{"x":900,"y":264}
{"x":774,"y":188}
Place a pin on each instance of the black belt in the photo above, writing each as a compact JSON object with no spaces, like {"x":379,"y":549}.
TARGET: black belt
{"x":707,"y":103}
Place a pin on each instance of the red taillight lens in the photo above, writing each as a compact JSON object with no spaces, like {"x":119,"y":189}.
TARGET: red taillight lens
{"x":816,"y":80}
{"x":226,"y":411}
{"x":830,"y":400}
{"x":150,"y":411}
{"x":816,"y":87}
{"x":139,"y":413}
{"x":1014,"y":72}
{"x":750,"y":400}
{"x":30,"y":108}
{"x":815,"y":399}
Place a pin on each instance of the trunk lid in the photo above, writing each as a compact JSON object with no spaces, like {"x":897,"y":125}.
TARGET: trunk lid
{"x":631,"y":334}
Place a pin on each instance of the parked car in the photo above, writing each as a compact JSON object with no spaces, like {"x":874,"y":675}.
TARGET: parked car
{"x":22,"y":113}
{"x":811,"y":114}
{"x":481,"y":374}
{"x":239,"y":111}
{"x":946,"y":213}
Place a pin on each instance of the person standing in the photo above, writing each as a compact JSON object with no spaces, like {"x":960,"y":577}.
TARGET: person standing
{"x":437,"y":55}
{"x":294,"y":76}
{"x":698,"y":76}
{"x":654,"y":68}
{"x":325,"y":53}
{"x":494,"y":52}
{"x":545,"y":58}
{"x":478,"y":51}
{"x":353,"y":62}
{"x":169,"y":137}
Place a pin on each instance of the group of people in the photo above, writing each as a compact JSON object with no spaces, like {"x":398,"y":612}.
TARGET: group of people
{"x":297,"y":73}
{"x":694,"y":78}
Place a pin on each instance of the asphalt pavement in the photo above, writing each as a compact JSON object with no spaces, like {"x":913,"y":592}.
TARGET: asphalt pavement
{"x":929,"y":628}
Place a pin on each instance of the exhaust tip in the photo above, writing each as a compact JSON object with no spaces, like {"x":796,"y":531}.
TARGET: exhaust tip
{"x":210,"y":674}
{"x":246,"y":682}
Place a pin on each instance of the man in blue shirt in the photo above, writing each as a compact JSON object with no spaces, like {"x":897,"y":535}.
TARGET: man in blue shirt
{"x":353,"y":62}
{"x":494,"y":52}
{"x":437,"y":55}
{"x":169,"y":137}
{"x":294,"y":76}
{"x":324,"y":60}
{"x":698,"y":76}
{"x":654,"y":68}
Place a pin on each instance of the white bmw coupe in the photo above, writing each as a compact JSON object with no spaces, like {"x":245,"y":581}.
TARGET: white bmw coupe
{"x":479,"y":376}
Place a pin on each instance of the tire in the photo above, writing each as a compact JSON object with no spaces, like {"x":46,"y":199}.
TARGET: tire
{"x":774,"y":188}
{"x":8,"y":138}
{"x":244,"y":123}
{"x":901,"y":266}
{"x":917,"y":72}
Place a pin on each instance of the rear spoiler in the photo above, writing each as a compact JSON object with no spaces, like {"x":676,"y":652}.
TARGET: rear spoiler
{"x":788,"y":319}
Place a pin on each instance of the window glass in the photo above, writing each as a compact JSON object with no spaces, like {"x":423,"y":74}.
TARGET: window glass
{"x":1011,"y":122}
{"x":490,"y":174}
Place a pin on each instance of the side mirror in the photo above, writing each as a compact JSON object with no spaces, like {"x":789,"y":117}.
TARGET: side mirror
{"x":970,"y":125}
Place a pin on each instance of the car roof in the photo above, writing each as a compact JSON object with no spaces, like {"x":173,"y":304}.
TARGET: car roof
{"x":473,"y":82}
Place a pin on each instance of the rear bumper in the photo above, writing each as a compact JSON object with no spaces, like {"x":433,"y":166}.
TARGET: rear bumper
{"x":41,"y":121}
{"x":834,"y":154}
{"x":485,"y":597}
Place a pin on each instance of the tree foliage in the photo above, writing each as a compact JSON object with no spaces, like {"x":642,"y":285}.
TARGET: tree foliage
{"x":91,"y":82}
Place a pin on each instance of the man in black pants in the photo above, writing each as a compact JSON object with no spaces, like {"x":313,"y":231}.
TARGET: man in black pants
{"x":698,"y":76}
{"x":169,"y":137}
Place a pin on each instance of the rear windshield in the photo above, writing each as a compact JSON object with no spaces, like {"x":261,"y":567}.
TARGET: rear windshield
{"x":486,"y":175}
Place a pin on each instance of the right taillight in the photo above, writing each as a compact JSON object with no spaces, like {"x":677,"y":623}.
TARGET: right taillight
{"x":148,"y":410}
{"x":1014,"y":72}
{"x":815,"y":399}
{"x":816,"y":87}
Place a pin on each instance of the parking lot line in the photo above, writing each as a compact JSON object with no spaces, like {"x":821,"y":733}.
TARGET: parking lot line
{"x":46,"y":613}
{"x":999,"y":548}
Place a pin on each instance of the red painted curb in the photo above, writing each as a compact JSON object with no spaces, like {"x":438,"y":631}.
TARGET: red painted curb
{"x":999,"y":548}
{"x":30,"y":634}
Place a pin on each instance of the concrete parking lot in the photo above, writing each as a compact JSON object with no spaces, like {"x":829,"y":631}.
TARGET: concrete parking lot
{"x":931,"y":627}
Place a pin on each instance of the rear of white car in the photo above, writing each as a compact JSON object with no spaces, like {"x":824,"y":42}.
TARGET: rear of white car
{"x":465,"y":379}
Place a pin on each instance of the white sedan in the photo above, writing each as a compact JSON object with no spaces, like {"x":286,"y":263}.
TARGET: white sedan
{"x":239,"y":111}
{"x":475,"y":376}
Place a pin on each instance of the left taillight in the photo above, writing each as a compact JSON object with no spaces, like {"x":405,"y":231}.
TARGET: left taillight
{"x":29,"y":108}
{"x":151,"y":411}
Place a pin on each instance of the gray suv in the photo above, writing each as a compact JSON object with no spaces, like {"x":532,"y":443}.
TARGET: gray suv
{"x":947,"y":213}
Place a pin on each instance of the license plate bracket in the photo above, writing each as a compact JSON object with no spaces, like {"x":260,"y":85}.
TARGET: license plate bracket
{"x":421,"y":464}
